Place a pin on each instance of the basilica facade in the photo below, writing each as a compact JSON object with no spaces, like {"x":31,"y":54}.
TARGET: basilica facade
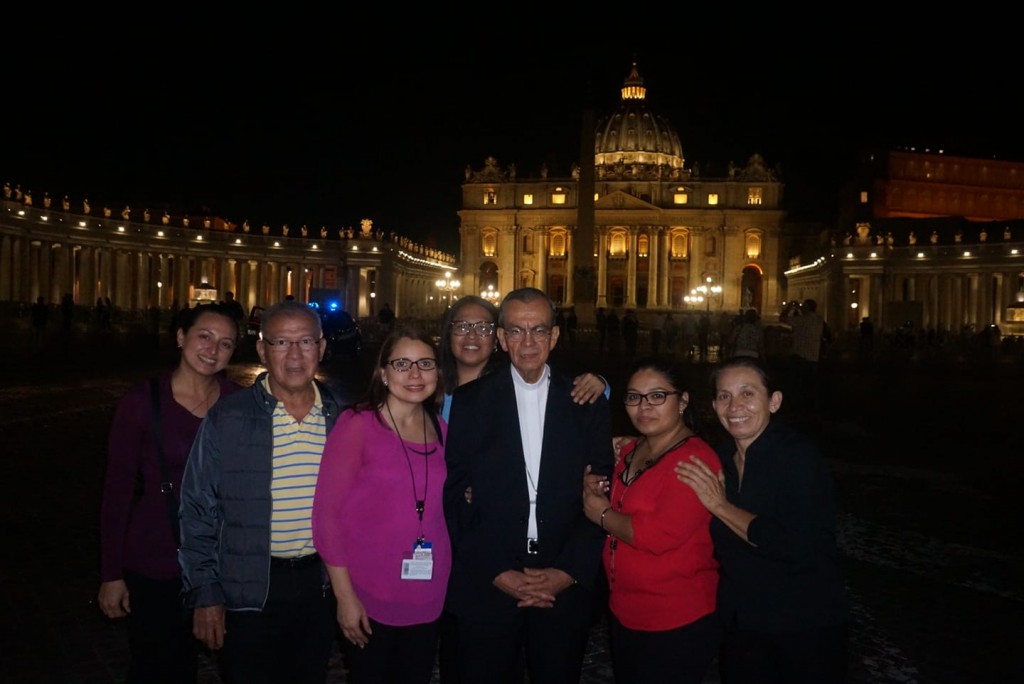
{"x":650,"y":230}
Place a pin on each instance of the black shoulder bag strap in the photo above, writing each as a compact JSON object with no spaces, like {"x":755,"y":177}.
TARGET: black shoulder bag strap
{"x":166,"y":487}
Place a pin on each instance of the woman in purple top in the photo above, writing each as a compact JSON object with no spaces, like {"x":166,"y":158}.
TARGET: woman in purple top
{"x":139,"y":574}
{"x":378,"y":521}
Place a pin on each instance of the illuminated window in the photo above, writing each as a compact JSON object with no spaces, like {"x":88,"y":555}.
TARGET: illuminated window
{"x":557,"y":245}
{"x":642,"y":244}
{"x":680,"y":198}
{"x":528,"y":198}
{"x":863,"y":196}
{"x":597,"y":196}
{"x":489,"y":243}
{"x":617,"y":244}
{"x":557,"y":197}
{"x":753,"y":245}
{"x":490,"y":197}
{"x":680,"y":244}
{"x":713,"y":198}
{"x":755,"y":195}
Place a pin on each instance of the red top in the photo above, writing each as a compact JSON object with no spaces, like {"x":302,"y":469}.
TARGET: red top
{"x":668,"y":576}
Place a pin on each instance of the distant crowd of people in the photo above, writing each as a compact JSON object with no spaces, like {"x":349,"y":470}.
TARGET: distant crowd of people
{"x":472,"y":510}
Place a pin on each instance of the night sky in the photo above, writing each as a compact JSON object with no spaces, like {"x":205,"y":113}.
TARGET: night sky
{"x":331,"y":132}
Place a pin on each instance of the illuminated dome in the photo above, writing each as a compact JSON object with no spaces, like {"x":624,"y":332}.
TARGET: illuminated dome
{"x":634,"y":141}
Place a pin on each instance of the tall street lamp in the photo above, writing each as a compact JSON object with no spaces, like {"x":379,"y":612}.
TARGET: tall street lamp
{"x":490,"y":294}
{"x":447,"y":286}
{"x":703,"y":293}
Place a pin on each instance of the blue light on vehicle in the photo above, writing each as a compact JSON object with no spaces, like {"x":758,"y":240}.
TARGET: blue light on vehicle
{"x":333,"y":305}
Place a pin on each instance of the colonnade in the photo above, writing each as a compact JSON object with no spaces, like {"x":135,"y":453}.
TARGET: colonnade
{"x":140,"y":266}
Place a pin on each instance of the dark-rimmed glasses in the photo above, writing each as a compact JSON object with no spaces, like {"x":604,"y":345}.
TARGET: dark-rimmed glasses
{"x":405,"y":365}
{"x":655,"y":398}
{"x":483,"y":329}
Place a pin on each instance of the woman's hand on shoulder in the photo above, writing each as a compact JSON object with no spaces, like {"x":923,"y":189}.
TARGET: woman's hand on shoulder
{"x":705,"y":483}
{"x":587,"y":388}
{"x":618,"y":442}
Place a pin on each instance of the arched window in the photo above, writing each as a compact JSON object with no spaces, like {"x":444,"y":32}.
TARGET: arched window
{"x":617,"y":243}
{"x":680,"y":244}
{"x":753,"y":245}
{"x":489,"y":242}
{"x":557,"y":244}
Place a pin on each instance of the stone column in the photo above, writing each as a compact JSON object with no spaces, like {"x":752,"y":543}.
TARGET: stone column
{"x":87,"y":276}
{"x":63,"y":267}
{"x":602,"y":268}
{"x":143,"y":290}
{"x":6,"y":270}
{"x":665,"y":269}
{"x":570,"y":268}
{"x":631,"y":268}
{"x":542,"y":258}
{"x":974,"y":313}
{"x":653,"y":255}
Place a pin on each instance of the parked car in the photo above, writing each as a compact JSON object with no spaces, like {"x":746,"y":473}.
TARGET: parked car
{"x":344,"y":338}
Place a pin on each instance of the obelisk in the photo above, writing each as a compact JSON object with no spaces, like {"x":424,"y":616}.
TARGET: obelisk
{"x":584,"y":273}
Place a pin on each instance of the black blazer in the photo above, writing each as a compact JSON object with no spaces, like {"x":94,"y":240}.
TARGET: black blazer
{"x":485,"y":452}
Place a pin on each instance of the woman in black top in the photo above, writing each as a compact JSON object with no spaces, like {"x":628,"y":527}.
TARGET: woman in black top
{"x":780,"y":596}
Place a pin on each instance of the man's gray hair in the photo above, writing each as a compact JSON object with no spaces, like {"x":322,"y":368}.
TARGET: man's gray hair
{"x":292,"y":308}
{"x":525,"y":295}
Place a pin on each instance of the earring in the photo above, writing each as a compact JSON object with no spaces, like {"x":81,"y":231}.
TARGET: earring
{"x":385,"y":383}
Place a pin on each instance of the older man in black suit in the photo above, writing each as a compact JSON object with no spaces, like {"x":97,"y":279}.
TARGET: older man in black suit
{"x":526,"y":559}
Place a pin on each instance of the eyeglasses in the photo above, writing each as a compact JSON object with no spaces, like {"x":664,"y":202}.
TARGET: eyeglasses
{"x":405,"y":365}
{"x":656,"y":398}
{"x":282,"y":345}
{"x":464,"y":327}
{"x":516,"y":334}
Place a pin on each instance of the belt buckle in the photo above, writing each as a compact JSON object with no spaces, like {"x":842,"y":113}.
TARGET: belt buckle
{"x":531,"y":546}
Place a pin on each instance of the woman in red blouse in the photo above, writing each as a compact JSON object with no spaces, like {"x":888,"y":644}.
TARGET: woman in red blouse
{"x":658,"y":557}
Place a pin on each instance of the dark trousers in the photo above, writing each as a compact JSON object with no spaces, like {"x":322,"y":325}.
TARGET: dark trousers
{"x":816,"y":656}
{"x":554,"y":641}
{"x":290,"y":640}
{"x":447,"y":649}
{"x":394,"y":655}
{"x":160,"y":640}
{"x":682,"y":655}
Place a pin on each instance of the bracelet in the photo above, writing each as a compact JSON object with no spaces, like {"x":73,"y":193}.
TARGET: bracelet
{"x":603,"y":513}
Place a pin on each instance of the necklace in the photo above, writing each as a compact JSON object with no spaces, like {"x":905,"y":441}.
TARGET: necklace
{"x":421,"y":503}
{"x":204,"y":402}
{"x":628,"y":479}
{"x":622,"y":486}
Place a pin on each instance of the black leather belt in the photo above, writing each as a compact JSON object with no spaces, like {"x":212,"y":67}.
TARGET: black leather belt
{"x":295,"y":561}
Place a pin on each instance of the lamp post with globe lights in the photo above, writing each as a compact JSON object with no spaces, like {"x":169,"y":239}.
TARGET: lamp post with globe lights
{"x":491,"y":294}
{"x":447,"y":286}
{"x":703,"y":293}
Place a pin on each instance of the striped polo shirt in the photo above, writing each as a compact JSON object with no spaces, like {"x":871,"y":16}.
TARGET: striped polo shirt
{"x":298,"y":447}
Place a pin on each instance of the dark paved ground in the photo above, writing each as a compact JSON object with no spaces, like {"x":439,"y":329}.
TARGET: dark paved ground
{"x":927,"y":463}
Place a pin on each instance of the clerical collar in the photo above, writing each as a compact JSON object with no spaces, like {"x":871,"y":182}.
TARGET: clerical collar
{"x":521,"y":383}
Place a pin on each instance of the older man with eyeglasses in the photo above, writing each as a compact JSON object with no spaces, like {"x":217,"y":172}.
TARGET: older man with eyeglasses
{"x":248,"y":562}
{"x":526,"y":559}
